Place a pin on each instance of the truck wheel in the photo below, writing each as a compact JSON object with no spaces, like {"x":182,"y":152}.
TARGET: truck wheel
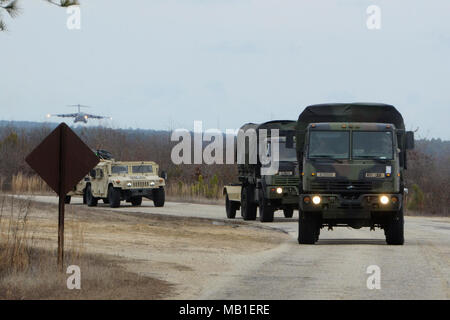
{"x":288,"y":212}
{"x":84,"y":196}
{"x":159,"y":197}
{"x":91,"y":201}
{"x":394,"y":229}
{"x":113,"y":197}
{"x":136,"y":201}
{"x":248,"y":207}
{"x":265,"y":211}
{"x":307,"y":228}
{"x":67,"y":199}
{"x":230,"y":208}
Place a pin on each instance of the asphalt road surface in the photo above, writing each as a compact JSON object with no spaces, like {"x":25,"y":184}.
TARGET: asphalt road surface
{"x":335,"y":268}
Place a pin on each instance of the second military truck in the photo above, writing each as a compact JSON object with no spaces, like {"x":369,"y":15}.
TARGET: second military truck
{"x":269,"y":192}
{"x":114,"y":181}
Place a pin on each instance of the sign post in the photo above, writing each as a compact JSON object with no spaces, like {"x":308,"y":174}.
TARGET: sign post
{"x":62,"y":160}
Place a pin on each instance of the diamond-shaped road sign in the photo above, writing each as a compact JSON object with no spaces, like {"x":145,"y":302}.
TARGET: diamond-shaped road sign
{"x":62,"y":160}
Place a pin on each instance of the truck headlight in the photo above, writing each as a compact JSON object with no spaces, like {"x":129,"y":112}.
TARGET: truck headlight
{"x":316,"y":200}
{"x":152,"y":183}
{"x":384,"y":200}
{"x":129,"y":184}
{"x":279,"y":190}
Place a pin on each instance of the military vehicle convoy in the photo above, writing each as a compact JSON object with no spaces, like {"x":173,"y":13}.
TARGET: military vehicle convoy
{"x":269,"y":192}
{"x":114,"y":181}
{"x":352,"y":159}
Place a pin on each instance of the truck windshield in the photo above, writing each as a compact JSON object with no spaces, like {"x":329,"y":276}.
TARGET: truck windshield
{"x":285,"y":153}
{"x":142,"y":169}
{"x":119,"y":169}
{"x":372,"y":145}
{"x":329,"y":144}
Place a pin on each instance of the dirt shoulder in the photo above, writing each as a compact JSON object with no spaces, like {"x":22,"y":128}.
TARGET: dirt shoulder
{"x":182,"y":256}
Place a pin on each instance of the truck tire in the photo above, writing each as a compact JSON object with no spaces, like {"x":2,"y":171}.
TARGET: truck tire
{"x":265,"y":210}
{"x":67,"y":199}
{"x":307,"y":228}
{"x":159,"y":197}
{"x":394,"y":229}
{"x":248,"y":207}
{"x":288,"y":212}
{"x":114,"y":197}
{"x":84,"y":196}
{"x":136,"y":201}
{"x":91,"y":201}
{"x":230,"y":208}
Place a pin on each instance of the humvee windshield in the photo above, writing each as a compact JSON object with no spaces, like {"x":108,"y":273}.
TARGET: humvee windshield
{"x":142,"y":169}
{"x":329,"y":144}
{"x":372,"y":145}
{"x":119,"y":169}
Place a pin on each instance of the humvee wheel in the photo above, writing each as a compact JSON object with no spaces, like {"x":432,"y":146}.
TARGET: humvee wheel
{"x":84,"y":196}
{"x":265,"y":210}
{"x":67,"y":199}
{"x":136,"y":201}
{"x":159,"y":197}
{"x":394,"y":229}
{"x":307,"y":228}
{"x":91,"y":201}
{"x":230,"y":208}
{"x":288,"y":212}
{"x":248,"y":207}
{"x":113,"y":197}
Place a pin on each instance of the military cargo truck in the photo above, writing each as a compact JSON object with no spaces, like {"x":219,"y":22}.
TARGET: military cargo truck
{"x":352,"y":160}
{"x":114,"y":181}
{"x":269,"y":192}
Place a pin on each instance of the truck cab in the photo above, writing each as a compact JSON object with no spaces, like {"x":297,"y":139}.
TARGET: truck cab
{"x":352,"y":172}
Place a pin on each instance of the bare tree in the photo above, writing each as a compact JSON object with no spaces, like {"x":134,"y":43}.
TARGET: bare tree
{"x":11,"y":8}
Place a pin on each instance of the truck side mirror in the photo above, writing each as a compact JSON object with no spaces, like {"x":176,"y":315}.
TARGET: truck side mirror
{"x":409,"y":140}
{"x":163,"y":175}
{"x":92,"y":173}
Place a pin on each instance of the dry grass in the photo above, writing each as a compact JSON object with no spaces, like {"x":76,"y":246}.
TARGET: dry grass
{"x":28,"y":268}
{"x":21,"y":183}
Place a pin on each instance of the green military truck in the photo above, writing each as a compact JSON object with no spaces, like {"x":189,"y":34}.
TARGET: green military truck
{"x":352,"y":159}
{"x":269,"y":192}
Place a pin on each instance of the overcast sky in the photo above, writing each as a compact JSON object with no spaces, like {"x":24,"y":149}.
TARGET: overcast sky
{"x":164,"y":63}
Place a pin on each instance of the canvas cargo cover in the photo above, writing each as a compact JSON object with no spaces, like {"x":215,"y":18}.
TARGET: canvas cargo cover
{"x":347,"y":112}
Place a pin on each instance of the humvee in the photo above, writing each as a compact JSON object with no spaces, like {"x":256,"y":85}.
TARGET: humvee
{"x":268,"y":192}
{"x":80,"y":188}
{"x":114,"y":181}
{"x":352,"y":160}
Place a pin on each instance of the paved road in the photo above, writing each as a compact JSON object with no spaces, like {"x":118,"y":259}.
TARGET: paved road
{"x":334,"y":268}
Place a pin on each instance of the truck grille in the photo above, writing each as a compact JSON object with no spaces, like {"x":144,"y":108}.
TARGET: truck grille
{"x":286,"y":180}
{"x":141,"y":184}
{"x":345,"y":186}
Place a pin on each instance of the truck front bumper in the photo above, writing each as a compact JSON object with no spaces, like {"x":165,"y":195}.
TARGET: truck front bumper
{"x":337,"y":206}
{"x":284,"y":195}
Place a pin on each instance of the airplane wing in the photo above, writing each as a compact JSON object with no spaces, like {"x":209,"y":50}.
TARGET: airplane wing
{"x":93,"y":116}
{"x":65,"y":115}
